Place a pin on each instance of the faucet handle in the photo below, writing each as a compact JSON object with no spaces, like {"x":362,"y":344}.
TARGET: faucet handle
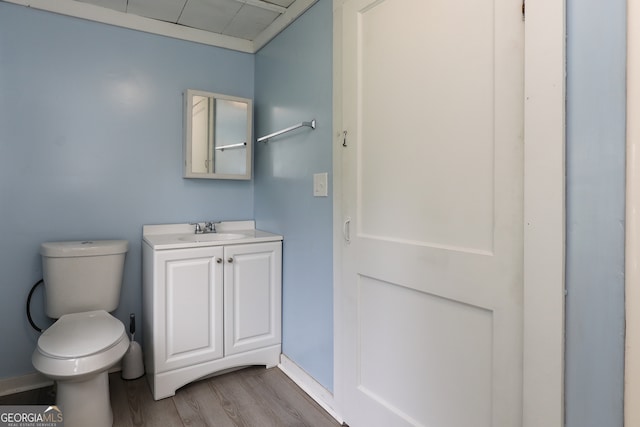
{"x":210,"y":226}
{"x":198,"y":229}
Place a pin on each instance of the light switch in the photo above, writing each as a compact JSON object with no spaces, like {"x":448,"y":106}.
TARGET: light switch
{"x":320,"y":184}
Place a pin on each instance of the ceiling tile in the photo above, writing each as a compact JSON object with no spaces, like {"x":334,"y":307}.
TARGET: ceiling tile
{"x":164,"y":10}
{"x":249,"y":22}
{"x":119,"y":5}
{"x":208,"y":14}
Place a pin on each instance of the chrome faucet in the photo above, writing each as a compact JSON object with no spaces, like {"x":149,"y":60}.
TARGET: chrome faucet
{"x":210,"y":227}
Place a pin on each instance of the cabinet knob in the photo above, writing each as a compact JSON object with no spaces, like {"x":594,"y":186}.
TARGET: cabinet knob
{"x":219,"y":260}
{"x":229,"y":260}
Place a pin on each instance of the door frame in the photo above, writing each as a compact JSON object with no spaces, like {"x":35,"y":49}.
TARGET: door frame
{"x":544,"y":212}
{"x":632,"y":223}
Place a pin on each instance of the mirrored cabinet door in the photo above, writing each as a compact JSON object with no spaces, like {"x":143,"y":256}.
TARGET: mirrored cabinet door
{"x":217,"y":137}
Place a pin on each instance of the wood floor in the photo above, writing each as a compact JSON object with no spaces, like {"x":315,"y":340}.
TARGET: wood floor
{"x":252,"y":397}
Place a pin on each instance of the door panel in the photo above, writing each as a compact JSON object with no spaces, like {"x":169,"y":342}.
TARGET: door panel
{"x":190,"y":321}
{"x":419,"y":128}
{"x":432,"y":177}
{"x":252,"y":296}
{"x":448,"y":341}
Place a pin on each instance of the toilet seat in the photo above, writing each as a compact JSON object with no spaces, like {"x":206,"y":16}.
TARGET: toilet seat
{"x":80,"y":344}
{"x":81,"y":334}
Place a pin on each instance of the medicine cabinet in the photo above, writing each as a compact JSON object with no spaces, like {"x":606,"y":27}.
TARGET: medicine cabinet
{"x":217,"y":136}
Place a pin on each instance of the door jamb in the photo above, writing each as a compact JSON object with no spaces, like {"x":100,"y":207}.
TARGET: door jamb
{"x":544,"y":214}
{"x":632,"y":223}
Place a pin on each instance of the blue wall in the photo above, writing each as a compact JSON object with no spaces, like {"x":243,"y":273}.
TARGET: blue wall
{"x":596,"y":61}
{"x":91,"y":148}
{"x":294,"y":84}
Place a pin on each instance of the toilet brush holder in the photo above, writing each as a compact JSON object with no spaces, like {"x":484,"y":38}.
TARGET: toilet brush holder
{"x":132,"y":362}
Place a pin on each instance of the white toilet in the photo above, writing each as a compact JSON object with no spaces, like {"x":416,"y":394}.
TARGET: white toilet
{"x":82,"y":284}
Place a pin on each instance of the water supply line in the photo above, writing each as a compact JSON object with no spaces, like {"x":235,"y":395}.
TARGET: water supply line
{"x":33,"y":288}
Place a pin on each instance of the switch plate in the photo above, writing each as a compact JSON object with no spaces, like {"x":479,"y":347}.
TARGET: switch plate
{"x":320,"y":184}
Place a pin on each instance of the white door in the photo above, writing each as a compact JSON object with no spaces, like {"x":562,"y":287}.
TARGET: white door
{"x":432,"y":201}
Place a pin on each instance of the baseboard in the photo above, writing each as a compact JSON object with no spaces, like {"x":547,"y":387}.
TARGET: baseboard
{"x":309,"y":385}
{"x":23,"y":383}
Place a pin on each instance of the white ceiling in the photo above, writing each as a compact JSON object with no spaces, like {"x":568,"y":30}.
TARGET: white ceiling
{"x":244,"y":25}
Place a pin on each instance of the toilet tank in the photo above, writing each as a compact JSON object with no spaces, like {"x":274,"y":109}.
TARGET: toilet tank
{"x":82,"y":276}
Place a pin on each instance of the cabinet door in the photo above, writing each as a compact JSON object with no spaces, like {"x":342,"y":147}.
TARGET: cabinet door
{"x":189,"y":317}
{"x":252,"y":281}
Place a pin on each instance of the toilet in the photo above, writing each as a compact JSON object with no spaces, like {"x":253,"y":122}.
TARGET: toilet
{"x":82,"y":285}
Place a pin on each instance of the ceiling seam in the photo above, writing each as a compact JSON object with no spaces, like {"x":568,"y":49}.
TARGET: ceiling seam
{"x":234,"y":16}
{"x":184,"y":5}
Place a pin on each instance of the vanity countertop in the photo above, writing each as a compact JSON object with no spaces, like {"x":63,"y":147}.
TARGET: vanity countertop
{"x":180,"y":236}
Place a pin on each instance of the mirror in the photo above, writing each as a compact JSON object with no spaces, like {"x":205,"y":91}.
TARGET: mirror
{"x":217,"y":136}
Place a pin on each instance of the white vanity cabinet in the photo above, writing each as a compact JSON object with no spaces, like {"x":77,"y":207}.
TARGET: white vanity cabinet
{"x":210,"y":306}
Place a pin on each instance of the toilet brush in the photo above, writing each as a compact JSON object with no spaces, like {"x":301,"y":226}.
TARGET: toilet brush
{"x":132,"y":365}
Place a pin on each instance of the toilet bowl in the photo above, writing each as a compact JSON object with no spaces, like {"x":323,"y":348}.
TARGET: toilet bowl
{"x":77,"y":351}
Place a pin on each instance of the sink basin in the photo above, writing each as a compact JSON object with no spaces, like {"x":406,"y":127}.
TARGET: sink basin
{"x":211,"y":237}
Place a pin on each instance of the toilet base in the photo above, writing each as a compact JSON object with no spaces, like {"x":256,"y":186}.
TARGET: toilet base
{"x":86,"y":402}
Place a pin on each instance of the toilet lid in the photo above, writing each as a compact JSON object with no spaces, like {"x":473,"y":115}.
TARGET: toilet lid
{"x":81,"y":334}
